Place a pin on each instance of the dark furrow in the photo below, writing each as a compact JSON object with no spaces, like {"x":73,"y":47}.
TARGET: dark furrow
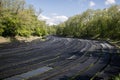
{"x":18,"y":58}
{"x":16,"y":68}
{"x":74,"y":70}
{"x":87,"y":75}
{"x":74,"y":59}
{"x":57,"y":68}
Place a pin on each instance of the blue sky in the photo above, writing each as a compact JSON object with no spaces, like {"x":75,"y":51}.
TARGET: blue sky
{"x":56,"y":11}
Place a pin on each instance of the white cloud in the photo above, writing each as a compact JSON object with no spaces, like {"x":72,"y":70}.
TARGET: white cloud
{"x":107,"y":2}
{"x":54,"y":20}
{"x":61,"y":18}
{"x":92,"y":4}
{"x":42,"y":17}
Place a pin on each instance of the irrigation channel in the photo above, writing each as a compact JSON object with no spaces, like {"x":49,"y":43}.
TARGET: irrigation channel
{"x":59,"y":58}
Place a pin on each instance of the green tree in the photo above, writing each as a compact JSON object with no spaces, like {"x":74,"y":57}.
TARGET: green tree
{"x":93,"y":24}
{"x":18,"y":19}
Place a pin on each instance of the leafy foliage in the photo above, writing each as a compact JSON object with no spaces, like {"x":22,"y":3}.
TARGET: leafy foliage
{"x":16,"y":18}
{"x":93,"y":24}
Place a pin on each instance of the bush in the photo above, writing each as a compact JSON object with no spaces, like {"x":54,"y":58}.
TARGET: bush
{"x":1,"y":29}
{"x":24,"y":32}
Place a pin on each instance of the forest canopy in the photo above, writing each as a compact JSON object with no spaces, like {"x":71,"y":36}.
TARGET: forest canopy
{"x":19,"y":19}
{"x":104,"y":24}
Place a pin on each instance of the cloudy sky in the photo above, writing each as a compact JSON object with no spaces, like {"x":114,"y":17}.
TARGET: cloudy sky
{"x":56,"y":11}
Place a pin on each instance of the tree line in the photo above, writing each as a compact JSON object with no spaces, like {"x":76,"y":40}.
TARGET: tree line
{"x":93,"y":24}
{"x":19,"y":19}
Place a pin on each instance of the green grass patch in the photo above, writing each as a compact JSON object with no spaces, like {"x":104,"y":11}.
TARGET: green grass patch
{"x":117,"y":77}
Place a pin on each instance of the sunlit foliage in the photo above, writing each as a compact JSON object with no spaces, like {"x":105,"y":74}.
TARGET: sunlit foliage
{"x":93,"y":24}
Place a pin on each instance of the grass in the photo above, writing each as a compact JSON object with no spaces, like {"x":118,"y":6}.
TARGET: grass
{"x":116,"y":43}
{"x":117,"y":77}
